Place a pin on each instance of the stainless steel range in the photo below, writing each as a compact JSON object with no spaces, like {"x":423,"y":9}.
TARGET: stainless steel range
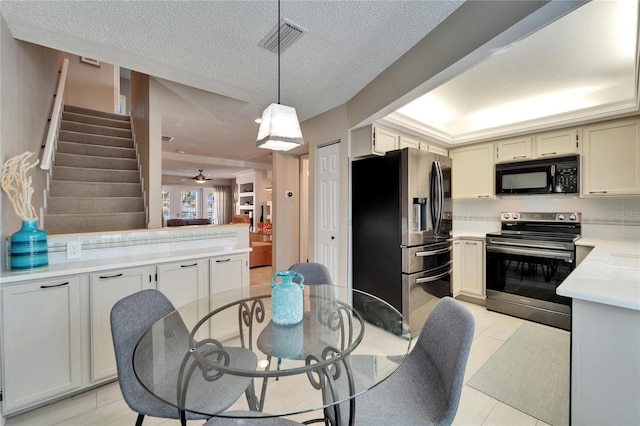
{"x":527,"y":261}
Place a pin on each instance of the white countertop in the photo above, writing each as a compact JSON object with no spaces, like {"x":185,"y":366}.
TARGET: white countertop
{"x":103,"y":264}
{"x":469,"y":234}
{"x":610,"y":274}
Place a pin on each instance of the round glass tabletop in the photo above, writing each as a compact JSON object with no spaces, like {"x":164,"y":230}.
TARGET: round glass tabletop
{"x":222,"y":354}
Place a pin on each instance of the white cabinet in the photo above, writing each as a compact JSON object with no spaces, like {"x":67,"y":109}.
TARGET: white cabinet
{"x":105,"y":289}
{"x":41,"y":341}
{"x":372,"y":139}
{"x":611,"y":158}
{"x":473,"y":174}
{"x":468,"y":267}
{"x":556,"y":143}
{"x":183,"y":282}
{"x":406,"y":142}
{"x":515,"y":149}
{"x":434,"y":148}
{"x":227,"y":273}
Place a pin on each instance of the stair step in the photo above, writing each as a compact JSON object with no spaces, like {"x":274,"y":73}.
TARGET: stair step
{"x":78,"y":205}
{"x":95,"y":150}
{"x":95,"y":162}
{"x":69,"y":136}
{"x":98,"y":121}
{"x":61,"y":188}
{"x":83,"y":174}
{"x":87,"y":111}
{"x":93,"y":129}
{"x":73,"y":223}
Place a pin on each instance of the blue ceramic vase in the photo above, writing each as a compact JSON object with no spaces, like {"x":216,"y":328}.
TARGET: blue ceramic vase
{"x":286,"y":298}
{"x":29,"y":247}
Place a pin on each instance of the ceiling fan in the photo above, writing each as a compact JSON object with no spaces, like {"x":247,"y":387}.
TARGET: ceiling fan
{"x":199,"y":178}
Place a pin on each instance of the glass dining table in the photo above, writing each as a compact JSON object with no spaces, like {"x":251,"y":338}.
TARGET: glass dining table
{"x":347,"y":342}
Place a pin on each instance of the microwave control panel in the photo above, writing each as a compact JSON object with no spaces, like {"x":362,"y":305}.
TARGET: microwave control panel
{"x":567,"y":178}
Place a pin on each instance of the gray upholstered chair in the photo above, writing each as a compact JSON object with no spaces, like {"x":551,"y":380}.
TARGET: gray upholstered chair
{"x":251,"y":418}
{"x":313,"y":273}
{"x":131,"y":317}
{"x":426,"y":388}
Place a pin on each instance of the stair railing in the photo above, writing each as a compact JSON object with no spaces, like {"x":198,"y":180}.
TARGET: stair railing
{"x":54,"y":121}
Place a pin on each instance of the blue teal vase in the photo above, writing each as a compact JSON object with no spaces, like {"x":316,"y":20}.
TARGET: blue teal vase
{"x":286,"y":298}
{"x":29,"y":247}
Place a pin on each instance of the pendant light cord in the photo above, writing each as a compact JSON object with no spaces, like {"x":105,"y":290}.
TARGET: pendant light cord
{"x":278,"y":52}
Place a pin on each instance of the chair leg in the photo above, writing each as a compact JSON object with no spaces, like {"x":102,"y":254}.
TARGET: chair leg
{"x":139,"y":419}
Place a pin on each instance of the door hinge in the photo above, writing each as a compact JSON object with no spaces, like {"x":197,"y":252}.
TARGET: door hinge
{"x":1,"y":395}
{"x":577,"y":143}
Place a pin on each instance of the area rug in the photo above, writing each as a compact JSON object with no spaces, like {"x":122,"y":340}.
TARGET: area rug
{"x":530,"y":372}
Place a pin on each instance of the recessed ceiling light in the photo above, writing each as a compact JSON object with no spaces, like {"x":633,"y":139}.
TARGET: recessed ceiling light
{"x":179,"y":151}
{"x":258,"y":120}
{"x":167,"y":138}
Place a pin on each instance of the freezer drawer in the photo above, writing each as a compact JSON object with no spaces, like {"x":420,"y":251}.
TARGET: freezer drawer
{"x":426,"y":257}
{"x":421,"y":291}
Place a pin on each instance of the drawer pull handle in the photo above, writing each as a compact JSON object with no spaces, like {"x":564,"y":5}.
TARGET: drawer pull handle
{"x":110,"y":276}
{"x":222,"y":261}
{"x":597,"y":192}
{"x":549,"y":153}
{"x":54,"y":285}
{"x":189,"y":266}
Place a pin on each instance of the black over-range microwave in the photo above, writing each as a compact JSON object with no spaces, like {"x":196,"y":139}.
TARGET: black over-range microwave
{"x":545,"y":176}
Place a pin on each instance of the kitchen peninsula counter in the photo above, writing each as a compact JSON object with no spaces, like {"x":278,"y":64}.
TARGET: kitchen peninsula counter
{"x":605,"y":334}
{"x":127,"y":249}
{"x":610,"y":274}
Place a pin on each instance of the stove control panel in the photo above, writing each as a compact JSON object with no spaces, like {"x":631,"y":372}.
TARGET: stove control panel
{"x":539,"y":217}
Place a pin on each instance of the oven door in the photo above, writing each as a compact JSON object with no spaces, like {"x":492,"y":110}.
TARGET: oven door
{"x":528,"y":274}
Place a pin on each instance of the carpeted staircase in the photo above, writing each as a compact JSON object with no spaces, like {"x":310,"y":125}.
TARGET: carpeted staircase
{"x":95,"y":179}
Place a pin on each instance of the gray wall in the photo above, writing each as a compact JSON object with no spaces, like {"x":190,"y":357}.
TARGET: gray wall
{"x":28,"y":79}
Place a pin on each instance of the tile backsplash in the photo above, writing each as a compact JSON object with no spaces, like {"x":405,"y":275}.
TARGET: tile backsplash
{"x":602,"y":218}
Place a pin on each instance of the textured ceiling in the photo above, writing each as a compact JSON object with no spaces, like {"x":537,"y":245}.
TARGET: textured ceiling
{"x":212,"y":76}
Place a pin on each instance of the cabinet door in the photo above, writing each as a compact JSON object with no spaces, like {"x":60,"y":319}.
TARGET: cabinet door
{"x":183,"y":283}
{"x":436,"y":150}
{"x":473,"y":267}
{"x":562,"y":142}
{"x":513,"y":149}
{"x":105,"y":289}
{"x":406,"y":142}
{"x":473,"y":175}
{"x":384,"y":140}
{"x":227,"y":273}
{"x":41,"y":341}
{"x":611,"y":158}
{"x":458,"y":270}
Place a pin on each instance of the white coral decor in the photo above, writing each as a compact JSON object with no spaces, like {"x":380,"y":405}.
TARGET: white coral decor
{"x":17,"y":185}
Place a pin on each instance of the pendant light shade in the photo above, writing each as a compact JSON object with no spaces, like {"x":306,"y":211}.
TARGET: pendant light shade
{"x":279,"y":129}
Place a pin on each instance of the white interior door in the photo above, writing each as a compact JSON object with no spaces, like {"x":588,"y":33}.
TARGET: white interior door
{"x":327,"y":219}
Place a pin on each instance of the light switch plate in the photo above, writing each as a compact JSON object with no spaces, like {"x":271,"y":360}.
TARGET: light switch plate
{"x":74,"y":249}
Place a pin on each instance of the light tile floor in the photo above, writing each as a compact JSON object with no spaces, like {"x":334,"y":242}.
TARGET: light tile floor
{"x":105,"y":406}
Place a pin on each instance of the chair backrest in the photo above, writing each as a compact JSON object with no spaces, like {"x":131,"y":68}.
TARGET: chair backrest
{"x":131,"y":317}
{"x":313,"y":273}
{"x":445,"y":339}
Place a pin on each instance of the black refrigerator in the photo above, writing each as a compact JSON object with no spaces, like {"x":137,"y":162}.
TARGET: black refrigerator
{"x":401,"y":222}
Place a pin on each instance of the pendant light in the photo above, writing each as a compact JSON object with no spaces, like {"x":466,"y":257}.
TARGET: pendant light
{"x":279,"y":129}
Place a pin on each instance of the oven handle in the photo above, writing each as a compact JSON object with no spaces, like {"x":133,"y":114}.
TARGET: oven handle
{"x":512,"y":243}
{"x":434,"y":278}
{"x":432,"y":252}
{"x":552,"y":254}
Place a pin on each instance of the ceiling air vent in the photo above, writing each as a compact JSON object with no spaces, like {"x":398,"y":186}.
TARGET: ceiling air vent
{"x":289,"y":34}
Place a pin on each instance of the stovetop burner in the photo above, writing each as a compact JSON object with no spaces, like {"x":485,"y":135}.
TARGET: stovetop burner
{"x":550,"y":227}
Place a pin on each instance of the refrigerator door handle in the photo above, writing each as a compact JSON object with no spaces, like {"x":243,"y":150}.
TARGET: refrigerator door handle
{"x":434,"y":278}
{"x":437,"y":196}
{"x":432,"y":252}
